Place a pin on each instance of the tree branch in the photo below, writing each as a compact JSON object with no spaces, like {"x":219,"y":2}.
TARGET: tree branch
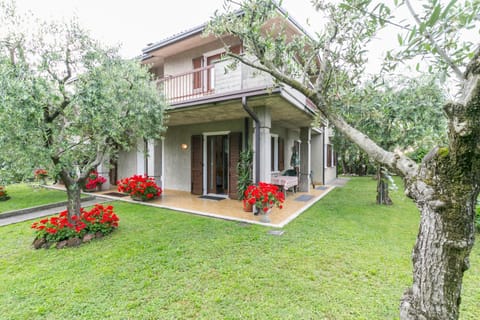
{"x":440,"y":50}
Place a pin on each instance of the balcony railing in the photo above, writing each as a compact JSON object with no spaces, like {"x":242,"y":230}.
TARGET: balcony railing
{"x":189,"y":85}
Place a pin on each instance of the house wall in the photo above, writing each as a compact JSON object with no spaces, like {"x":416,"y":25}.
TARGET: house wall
{"x":317,"y":158}
{"x":177,"y":161}
{"x":127,"y":163}
{"x":331,"y":172}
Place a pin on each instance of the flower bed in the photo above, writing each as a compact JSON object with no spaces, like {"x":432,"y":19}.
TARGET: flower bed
{"x":98,"y":222}
{"x":140,"y":187}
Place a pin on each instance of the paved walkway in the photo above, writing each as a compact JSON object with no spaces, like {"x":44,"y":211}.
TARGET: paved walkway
{"x":39,"y":212}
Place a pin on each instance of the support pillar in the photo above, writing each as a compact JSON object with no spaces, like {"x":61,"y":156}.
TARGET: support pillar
{"x":305,"y":165}
{"x":264,"y":116}
{"x":103,"y":170}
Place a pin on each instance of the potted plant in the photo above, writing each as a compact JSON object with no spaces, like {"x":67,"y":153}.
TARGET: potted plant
{"x":41,"y":175}
{"x":244,"y":172}
{"x":141,"y":188}
{"x":94,"y":182}
{"x":263,"y":197}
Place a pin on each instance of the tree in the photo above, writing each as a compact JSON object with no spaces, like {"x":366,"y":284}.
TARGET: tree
{"x":400,"y":115}
{"x":446,"y":184}
{"x":67,"y":102}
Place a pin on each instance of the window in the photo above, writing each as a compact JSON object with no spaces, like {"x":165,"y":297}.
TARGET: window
{"x":330,"y":156}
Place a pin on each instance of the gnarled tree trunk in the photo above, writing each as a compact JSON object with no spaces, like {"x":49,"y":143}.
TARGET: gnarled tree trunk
{"x":446,"y":192}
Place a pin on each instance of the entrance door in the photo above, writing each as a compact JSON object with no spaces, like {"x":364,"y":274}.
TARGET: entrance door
{"x":217,"y":164}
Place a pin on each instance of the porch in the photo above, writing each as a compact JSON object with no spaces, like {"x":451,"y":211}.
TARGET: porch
{"x":227,"y":209}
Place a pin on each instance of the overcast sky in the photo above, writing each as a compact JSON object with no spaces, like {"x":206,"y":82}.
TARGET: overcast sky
{"x":134,"y":24}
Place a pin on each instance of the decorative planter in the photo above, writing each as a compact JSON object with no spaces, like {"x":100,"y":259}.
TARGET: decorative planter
{"x":90,"y":190}
{"x":264,"y":215}
{"x":247,"y":206}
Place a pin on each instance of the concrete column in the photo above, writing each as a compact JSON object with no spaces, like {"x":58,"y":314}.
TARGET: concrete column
{"x":103,"y":170}
{"x":265,"y":118}
{"x":305,"y":167}
{"x":317,"y":159}
{"x":141,"y":170}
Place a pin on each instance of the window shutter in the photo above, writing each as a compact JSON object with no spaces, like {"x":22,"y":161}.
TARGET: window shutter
{"x":197,"y":75}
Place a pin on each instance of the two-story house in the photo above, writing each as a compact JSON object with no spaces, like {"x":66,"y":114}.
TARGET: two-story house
{"x":214,"y":114}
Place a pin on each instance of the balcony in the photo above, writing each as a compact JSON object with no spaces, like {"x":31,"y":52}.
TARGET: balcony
{"x":216,"y":80}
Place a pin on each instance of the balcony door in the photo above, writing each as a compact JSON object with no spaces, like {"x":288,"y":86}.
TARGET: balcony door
{"x":211,"y":71}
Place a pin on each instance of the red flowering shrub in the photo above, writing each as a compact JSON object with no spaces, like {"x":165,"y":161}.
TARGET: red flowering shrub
{"x":58,"y":228}
{"x":93,"y":180}
{"x":264,"y":196}
{"x":3,"y":194}
{"x":41,"y":173}
{"x":140,"y":187}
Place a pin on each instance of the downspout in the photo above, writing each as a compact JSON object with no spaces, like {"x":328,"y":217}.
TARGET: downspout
{"x":324,"y":157}
{"x":257,"y":137}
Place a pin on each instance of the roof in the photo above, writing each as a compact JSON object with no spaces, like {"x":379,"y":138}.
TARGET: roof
{"x":199,"y":29}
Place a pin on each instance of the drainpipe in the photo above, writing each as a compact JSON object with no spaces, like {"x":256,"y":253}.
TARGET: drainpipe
{"x":257,"y":137}
{"x":324,"y":157}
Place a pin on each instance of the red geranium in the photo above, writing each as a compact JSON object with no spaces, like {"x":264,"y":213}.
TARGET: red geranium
{"x":58,"y":228}
{"x":93,"y":180}
{"x":142,"y":187}
{"x":264,"y":196}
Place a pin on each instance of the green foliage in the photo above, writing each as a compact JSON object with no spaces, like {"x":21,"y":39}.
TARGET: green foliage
{"x":67,"y":101}
{"x":440,"y":33}
{"x":244,"y":172}
{"x":401,"y":115}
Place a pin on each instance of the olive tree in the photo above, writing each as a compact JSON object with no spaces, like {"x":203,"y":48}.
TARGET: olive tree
{"x":325,"y":68}
{"x":67,"y":101}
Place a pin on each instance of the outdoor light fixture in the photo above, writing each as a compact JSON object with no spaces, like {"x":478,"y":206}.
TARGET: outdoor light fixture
{"x":184,"y":146}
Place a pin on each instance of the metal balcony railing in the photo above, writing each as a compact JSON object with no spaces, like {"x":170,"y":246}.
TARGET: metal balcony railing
{"x":189,"y":85}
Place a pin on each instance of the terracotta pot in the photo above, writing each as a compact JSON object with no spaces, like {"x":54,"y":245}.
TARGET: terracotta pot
{"x":247,"y":206}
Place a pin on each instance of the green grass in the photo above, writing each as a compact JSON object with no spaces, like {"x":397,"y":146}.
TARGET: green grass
{"x":344,"y":258}
{"x":25,"y":196}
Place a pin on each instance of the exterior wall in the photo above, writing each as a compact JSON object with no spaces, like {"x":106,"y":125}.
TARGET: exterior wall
{"x":330,"y":173}
{"x":317,"y":158}
{"x":127,"y":163}
{"x":182,"y":62}
{"x":228,"y":81}
{"x":177,"y":161}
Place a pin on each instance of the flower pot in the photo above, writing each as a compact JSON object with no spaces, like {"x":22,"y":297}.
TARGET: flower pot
{"x":90,"y":190}
{"x":247,"y":206}
{"x":264,"y":215}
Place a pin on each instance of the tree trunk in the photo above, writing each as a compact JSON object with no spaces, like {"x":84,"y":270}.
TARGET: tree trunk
{"x":440,"y":255}
{"x":73,"y":195}
{"x":383,"y":197}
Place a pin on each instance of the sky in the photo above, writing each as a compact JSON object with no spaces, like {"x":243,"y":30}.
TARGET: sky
{"x":134,"y":24}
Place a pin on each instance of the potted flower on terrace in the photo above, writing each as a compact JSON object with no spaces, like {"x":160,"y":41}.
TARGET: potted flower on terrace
{"x":41,"y":175}
{"x":141,"y":188}
{"x":94,"y":181}
{"x":263,"y":197}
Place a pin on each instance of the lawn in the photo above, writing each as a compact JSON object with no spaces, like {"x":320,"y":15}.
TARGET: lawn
{"x":344,"y":258}
{"x":25,"y":196}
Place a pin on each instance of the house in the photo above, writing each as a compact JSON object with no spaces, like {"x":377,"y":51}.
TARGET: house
{"x":214,"y":114}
